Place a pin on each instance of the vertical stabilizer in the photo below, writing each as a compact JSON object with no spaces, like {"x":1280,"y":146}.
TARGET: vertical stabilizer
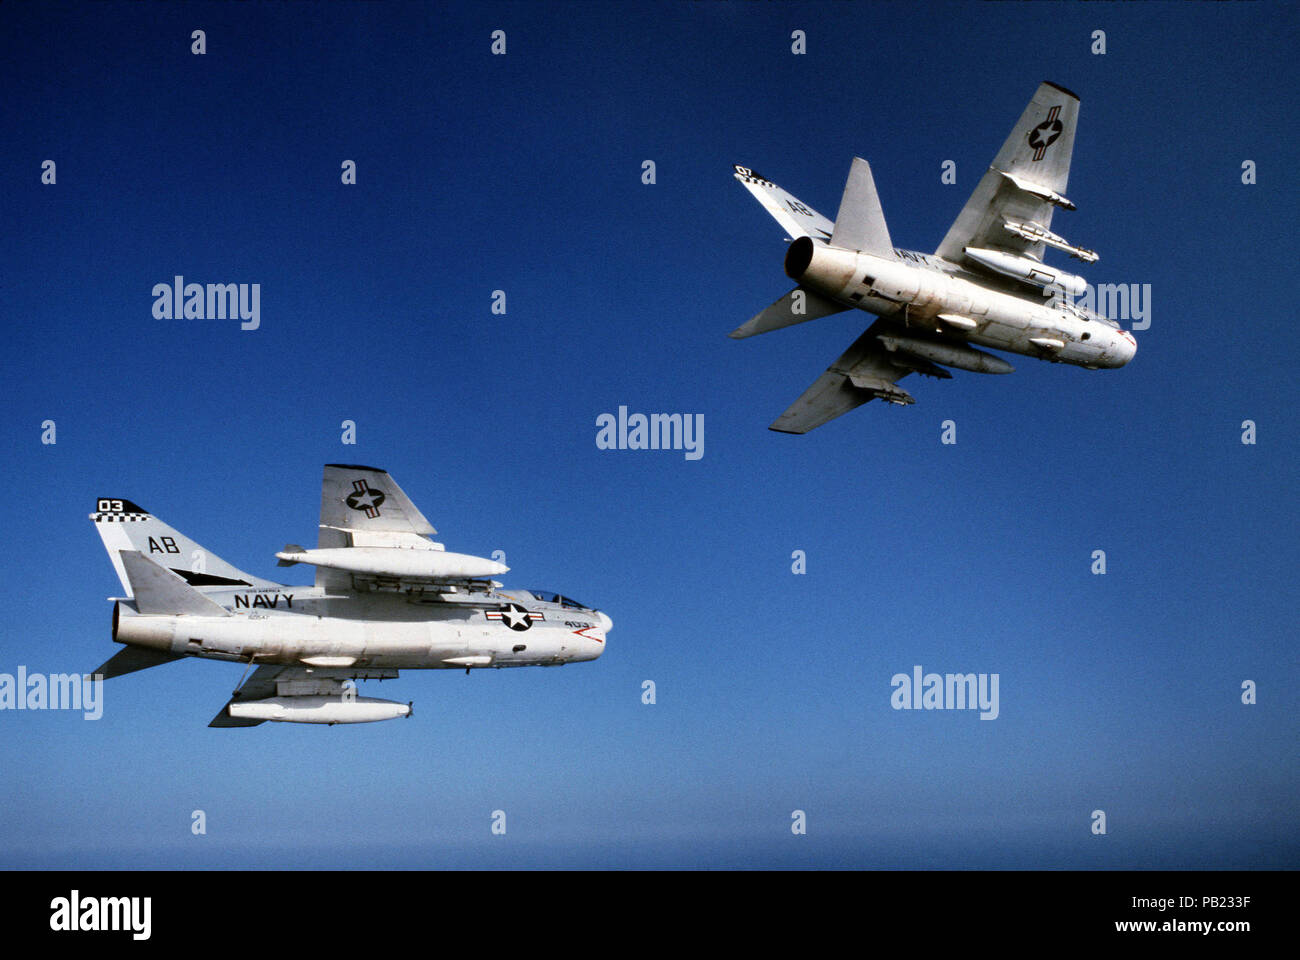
{"x":123,"y":525}
{"x":860,"y":224}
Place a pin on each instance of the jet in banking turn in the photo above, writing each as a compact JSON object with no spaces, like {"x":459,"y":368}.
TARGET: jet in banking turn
{"x":986,"y":285}
{"x":386,"y":597}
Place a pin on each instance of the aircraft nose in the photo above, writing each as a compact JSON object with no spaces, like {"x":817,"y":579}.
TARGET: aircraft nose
{"x":1122,"y":350}
{"x":1129,"y":349}
{"x":605,"y":625}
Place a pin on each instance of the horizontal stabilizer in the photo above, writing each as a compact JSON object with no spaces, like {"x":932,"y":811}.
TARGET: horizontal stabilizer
{"x":131,"y":659}
{"x":860,"y":224}
{"x":797,"y":306}
{"x":158,"y":591}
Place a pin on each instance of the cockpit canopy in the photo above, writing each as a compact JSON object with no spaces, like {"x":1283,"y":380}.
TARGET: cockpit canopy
{"x":548,"y":597}
{"x":1085,"y":314}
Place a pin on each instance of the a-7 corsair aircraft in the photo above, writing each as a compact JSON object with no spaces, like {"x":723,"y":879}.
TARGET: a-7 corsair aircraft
{"x":986,"y":284}
{"x":385,"y":598}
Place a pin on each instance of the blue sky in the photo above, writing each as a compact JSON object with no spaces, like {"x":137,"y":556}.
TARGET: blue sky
{"x":523,"y":173}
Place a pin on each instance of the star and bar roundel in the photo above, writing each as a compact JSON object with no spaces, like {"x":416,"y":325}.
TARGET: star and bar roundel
{"x":515,"y":617}
{"x":1045,"y":134}
{"x":365,"y":498}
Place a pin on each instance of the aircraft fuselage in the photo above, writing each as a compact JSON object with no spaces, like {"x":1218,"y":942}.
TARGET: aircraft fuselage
{"x":943,"y":300}
{"x":381,"y":630}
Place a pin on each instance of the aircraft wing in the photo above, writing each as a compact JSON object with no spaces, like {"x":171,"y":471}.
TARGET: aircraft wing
{"x":371,"y":533}
{"x":863,"y":372}
{"x":288,"y":680}
{"x":367,"y":499}
{"x":1011,"y":208}
{"x":356,"y":502}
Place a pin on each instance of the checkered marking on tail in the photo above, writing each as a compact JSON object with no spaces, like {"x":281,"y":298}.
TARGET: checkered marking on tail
{"x":111,"y":509}
{"x":749,"y":176}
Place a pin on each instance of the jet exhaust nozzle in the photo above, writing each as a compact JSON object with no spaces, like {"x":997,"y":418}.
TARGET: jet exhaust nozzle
{"x":820,"y":265}
{"x":798,"y":257}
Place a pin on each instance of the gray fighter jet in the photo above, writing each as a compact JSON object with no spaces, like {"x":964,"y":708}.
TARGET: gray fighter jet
{"x":386,"y":597}
{"x":986,"y":284}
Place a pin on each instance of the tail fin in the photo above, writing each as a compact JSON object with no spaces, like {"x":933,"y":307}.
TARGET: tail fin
{"x":799,"y":219}
{"x":125,"y":526}
{"x":860,"y":224}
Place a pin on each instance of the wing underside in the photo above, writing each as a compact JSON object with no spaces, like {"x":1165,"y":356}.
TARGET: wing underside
{"x":1011,"y":207}
{"x":863,"y":372}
